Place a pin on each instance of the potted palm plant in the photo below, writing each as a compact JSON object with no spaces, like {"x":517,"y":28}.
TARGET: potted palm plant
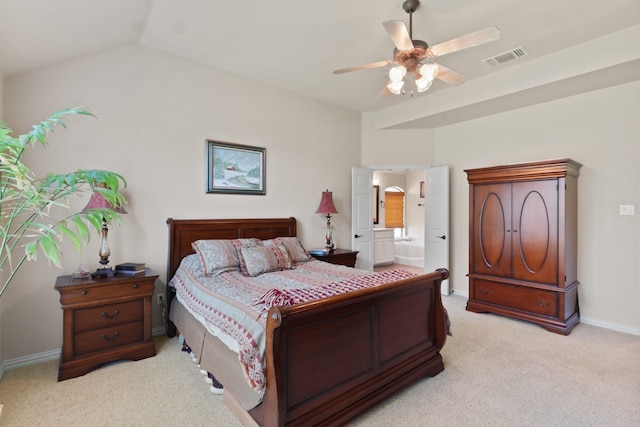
{"x":28,"y":225}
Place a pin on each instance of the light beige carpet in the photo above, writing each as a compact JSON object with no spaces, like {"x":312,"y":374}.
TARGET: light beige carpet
{"x":498,"y":372}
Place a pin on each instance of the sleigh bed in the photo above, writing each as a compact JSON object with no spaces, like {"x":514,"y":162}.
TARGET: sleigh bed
{"x":325,"y":360}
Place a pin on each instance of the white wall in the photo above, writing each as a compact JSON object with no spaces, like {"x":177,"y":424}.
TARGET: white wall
{"x":154,"y":113}
{"x":599,"y":129}
{"x":392,"y":147}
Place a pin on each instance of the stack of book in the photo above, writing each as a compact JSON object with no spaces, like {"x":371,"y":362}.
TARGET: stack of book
{"x":130,"y":268}
{"x":319,"y":251}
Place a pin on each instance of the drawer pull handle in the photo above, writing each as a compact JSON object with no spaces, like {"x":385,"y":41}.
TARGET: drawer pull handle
{"x":115,"y":314}
{"x":483,"y":292}
{"x":544,"y":304}
{"x":113,"y":338}
{"x":84,"y":292}
{"x":135,"y":285}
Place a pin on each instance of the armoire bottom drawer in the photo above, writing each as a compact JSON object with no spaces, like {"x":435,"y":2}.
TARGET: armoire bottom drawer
{"x":108,"y":338}
{"x":518,"y":297}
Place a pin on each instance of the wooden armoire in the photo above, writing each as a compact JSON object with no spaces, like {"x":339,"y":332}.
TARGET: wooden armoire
{"x":523,"y":242}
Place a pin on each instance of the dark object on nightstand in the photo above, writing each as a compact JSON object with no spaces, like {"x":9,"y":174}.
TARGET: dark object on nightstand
{"x":339,"y":256}
{"x":105,"y":319}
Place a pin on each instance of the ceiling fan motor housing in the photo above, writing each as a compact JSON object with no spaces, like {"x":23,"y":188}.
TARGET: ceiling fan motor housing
{"x":410,"y":59}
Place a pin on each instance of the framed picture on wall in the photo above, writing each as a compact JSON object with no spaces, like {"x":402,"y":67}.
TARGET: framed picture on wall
{"x":235,"y":168}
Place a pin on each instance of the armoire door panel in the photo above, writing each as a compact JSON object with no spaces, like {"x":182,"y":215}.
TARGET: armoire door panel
{"x":492,"y":239}
{"x":535,"y":231}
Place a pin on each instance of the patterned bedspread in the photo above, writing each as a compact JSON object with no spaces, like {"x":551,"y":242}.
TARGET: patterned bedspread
{"x":233,"y":307}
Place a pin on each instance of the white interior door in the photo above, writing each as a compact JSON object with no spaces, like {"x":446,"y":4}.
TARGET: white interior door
{"x":436,"y":229}
{"x":362,"y":217}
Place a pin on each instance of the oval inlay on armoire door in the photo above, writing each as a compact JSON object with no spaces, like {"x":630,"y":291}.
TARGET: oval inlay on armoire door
{"x":492,"y":229}
{"x":534,"y":231}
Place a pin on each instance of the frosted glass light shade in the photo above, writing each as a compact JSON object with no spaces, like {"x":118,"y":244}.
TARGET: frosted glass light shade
{"x":396,"y":74}
{"x":395,"y":87}
{"x":429,"y":71}
{"x":422,"y":84}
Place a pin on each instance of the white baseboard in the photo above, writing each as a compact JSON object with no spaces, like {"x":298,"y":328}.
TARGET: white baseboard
{"x":160,"y":330}
{"x":460,"y":293}
{"x":610,"y":325}
{"x":31,"y":359}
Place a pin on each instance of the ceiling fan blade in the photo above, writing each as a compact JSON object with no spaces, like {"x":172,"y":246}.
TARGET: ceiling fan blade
{"x":449,"y":76}
{"x":363,"y":67}
{"x":486,"y":35}
{"x":385,"y":91}
{"x":399,"y":34}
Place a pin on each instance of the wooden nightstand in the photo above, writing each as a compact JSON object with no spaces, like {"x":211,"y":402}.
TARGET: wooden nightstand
{"x":339,"y":256}
{"x":105,"y":319}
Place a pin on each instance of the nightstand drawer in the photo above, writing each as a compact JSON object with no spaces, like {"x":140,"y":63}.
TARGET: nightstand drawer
{"x":94,"y":293}
{"x":108,"y":338}
{"x":532,"y":300}
{"x":104,"y":316}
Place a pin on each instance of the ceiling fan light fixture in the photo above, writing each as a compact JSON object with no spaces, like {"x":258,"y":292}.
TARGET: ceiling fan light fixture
{"x":423,"y":84}
{"x":397,"y":73}
{"x":429,"y":71}
{"x":395,"y":87}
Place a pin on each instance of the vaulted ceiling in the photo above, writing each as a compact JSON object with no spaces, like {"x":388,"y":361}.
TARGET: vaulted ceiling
{"x":297,"y":44}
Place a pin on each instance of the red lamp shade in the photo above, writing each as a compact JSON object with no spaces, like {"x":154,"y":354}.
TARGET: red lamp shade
{"x":98,"y":201}
{"x":326,"y":204}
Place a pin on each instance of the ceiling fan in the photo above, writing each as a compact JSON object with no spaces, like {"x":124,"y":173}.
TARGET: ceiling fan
{"x":413,"y":60}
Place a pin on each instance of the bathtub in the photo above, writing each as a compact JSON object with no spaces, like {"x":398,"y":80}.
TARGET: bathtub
{"x":409,"y":252}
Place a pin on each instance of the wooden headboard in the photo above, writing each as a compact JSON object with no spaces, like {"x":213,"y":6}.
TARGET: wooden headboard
{"x":182,"y":232}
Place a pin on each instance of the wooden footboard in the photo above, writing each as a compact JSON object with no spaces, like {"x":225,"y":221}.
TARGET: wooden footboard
{"x":330,"y":360}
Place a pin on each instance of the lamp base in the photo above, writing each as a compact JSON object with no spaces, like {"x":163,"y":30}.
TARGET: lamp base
{"x":103,"y":272}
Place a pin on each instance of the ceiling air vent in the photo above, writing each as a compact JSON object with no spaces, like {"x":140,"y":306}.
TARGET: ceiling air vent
{"x":501,"y":58}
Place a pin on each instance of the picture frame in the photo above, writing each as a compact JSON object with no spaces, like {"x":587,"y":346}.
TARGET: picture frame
{"x":235,"y":168}
{"x":376,"y":203}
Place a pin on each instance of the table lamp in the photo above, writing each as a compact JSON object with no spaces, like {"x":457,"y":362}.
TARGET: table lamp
{"x":98,"y":201}
{"x":327,"y":208}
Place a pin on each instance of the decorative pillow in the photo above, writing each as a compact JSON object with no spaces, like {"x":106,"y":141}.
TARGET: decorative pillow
{"x":257,"y":260}
{"x":218,"y":256}
{"x":293,"y":245}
